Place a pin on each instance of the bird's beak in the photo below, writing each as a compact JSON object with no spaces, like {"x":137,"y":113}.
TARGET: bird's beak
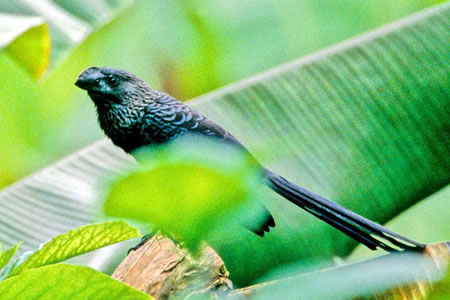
{"x":86,"y":79}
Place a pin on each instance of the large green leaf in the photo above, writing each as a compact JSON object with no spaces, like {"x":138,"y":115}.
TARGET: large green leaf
{"x":69,"y":23}
{"x":66,"y":193}
{"x":363,"y":123}
{"x":424,"y":221}
{"x":66,"y":282}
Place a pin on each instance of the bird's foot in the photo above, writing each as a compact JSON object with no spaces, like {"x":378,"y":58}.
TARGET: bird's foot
{"x":144,"y":239}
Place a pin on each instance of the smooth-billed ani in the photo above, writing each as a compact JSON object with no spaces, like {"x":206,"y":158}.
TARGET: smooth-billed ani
{"x":133,"y":115}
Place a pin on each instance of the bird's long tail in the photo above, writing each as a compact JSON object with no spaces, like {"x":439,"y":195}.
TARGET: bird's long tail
{"x":355,"y":226}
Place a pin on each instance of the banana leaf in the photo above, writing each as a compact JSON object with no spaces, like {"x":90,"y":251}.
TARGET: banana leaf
{"x":69,"y":22}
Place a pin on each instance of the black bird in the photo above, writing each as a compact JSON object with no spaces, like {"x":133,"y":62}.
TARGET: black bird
{"x":133,"y":115}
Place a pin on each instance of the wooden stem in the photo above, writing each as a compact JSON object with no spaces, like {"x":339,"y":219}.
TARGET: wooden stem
{"x":162,"y":269}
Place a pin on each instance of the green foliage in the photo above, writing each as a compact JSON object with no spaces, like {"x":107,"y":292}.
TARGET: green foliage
{"x":70,"y":23}
{"x":363,"y":279}
{"x":5,"y":256}
{"x":440,"y":289}
{"x":76,"y":242}
{"x":62,"y":281}
{"x":28,"y":132}
{"x":31,"y":33}
{"x":432,"y":213}
{"x":425,"y":221}
{"x":193,"y":191}
{"x":351,"y":123}
{"x":363,"y":123}
{"x":66,"y":282}
{"x":185,"y":48}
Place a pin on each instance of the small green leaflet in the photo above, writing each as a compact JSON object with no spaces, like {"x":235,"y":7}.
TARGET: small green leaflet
{"x":5,"y":256}
{"x":76,"y":242}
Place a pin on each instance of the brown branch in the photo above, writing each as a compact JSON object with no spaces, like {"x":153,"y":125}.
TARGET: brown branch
{"x":161,"y":269}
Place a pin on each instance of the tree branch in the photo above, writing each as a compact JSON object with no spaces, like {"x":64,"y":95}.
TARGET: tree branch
{"x":161,"y":269}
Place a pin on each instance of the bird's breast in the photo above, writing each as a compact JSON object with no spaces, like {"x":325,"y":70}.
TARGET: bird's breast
{"x":121,"y":126}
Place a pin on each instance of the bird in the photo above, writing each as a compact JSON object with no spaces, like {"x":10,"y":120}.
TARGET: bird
{"x":133,"y":115}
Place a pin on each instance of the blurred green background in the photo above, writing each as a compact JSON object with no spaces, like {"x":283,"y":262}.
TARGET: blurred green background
{"x":185,"y":48}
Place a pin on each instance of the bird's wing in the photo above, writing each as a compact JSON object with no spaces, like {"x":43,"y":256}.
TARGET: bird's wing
{"x":178,"y":118}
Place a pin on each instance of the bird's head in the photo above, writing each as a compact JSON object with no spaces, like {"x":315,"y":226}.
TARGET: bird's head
{"x":110,"y":85}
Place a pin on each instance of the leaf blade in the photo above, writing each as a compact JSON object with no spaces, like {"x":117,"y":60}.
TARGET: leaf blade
{"x":66,"y":26}
{"x":66,"y":282}
{"x":6,"y":256}
{"x":27,"y":40}
{"x":76,"y":242}
{"x":192,"y":190}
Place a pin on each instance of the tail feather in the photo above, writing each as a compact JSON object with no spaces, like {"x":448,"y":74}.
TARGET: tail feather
{"x":367,"y":232}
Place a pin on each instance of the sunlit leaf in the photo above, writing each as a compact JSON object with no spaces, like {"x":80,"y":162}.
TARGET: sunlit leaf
{"x":66,"y":282}
{"x":76,"y":242}
{"x":66,"y":28}
{"x":27,"y":39}
{"x":6,"y":256}
{"x":189,"y":190}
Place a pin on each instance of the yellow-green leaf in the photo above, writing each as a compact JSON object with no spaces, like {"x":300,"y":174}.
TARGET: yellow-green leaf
{"x":189,"y":191}
{"x":27,"y":40}
{"x":66,"y":282}
{"x":76,"y":242}
{"x":6,"y":256}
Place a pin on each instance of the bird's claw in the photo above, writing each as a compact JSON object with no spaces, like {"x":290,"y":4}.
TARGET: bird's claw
{"x":144,"y":239}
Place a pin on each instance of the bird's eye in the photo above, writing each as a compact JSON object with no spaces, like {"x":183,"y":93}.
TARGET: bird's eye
{"x":111,"y":80}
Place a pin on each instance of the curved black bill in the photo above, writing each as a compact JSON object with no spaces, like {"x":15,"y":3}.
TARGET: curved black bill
{"x":87,"y":78}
